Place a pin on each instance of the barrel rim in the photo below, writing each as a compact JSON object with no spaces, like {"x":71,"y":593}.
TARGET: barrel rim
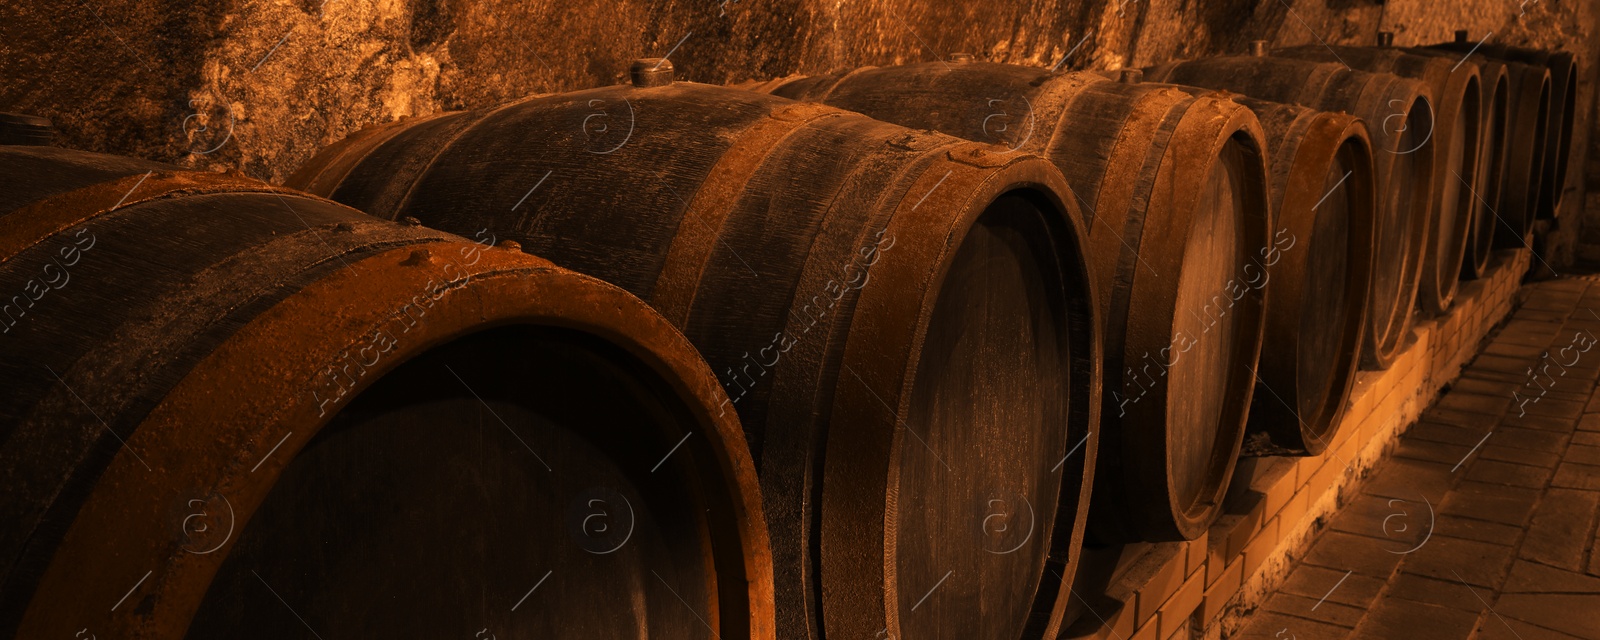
{"x":1391,"y":334}
{"x":1285,"y":426}
{"x":880,"y":350}
{"x":503,"y":288}
{"x":1441,"y":274}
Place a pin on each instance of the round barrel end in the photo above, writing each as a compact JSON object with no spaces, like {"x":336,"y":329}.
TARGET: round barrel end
{"x":345,"y":437}
{"x":1405,"y":163}
{"x":1317,"y":314}
{"x":992,"y":451}
{"x":1457,"y":182}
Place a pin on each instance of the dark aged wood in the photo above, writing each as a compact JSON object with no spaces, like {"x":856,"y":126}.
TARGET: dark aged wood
{"x":1399,"y":116}
{"x":903,"y":321}
{"x":1528,"y":119}
{"x":24,"y":129}
{"x":1557,"y":146}
{"x":216,"y":394}
{"x":1174,"y":186}
{"x":1455,"y":93}
{"x":1495,"y":110}
{"x":1323,"y":205}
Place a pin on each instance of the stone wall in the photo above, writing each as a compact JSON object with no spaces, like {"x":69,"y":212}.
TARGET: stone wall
{"x":261,"y":85}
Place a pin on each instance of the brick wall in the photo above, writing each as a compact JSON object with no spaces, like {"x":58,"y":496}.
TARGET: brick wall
{"x":1207,"y":588}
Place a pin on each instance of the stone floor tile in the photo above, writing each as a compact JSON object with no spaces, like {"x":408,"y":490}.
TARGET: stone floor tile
{"x":1554,"y":407}
{"x":1577,"y":615}
{"x":1516,"y":379}
{"x":1494,"y":503}
{"x":1479,"y":564}
{"x":1577,"y":476}
{"x":1478,"y":421}
{"x":1399,"y":619}
{"x":1484,"y":387}
{"x":1266,"y":625}
{"x":1474,"y":529}
{"x":1560,"y":532}
{"x":1513,"y":350}
{"x":1532,"y":439}
{"x":1458,"y":400}
{"x":1445,"y":593}
{"x":1493,"y":450}
{"x":1363,"y":515}
{"x":1536,"y":420}
{"x":1410,"y":480}
{"x":1430,"y":451}
{"x":1316,"y":582}
{"x":1586,"y":438}
{"x":1345,"y":552}
{"x":1532,"y":577}
{"x":1445,"y":433}
{"x":1315,"y":608}
{"x":1582,"y":454}
{"x":1507,"y":473}
{"x":1492,"y":627}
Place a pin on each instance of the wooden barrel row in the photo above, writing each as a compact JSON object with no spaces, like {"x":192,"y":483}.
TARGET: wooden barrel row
{"x":909,"y":311}
{"x":1561,"y":111}
{"x":1402,"y":161}
{"x":234,"y":410}
{"x":903,"y":321}
{"x":1455,"y":94}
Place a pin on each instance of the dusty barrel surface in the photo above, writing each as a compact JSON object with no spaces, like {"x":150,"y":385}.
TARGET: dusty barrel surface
{"x":222,"y":397}
{"x":1455,"y":92}
{"x":903,"y":321}
{"x":1556,"y":144}
{"x":1174,"y":185}
{"x":1399,"y":116}
{"x":1324,"y":209}
{"x":1492,"y":170}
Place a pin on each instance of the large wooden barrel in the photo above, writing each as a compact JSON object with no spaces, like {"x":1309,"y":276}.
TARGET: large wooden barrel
{"x":1492,"y":154}
{"x":231,"y":410}
{"x":1518,"y":196}
{"x":903,"y":320}
{"x":1455,"y":92}
{"x":1175,"y":188}
{"x":1556,"y":145}
{"x":1399,"y":116}
{"x":1324,"y":207}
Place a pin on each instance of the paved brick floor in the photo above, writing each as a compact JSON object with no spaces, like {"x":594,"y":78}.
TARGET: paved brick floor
{"x":1483,"y":523}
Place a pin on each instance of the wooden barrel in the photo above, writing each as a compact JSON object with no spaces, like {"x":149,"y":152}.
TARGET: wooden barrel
{"x":1519,"y":195}
{"x":903,"y":321}
{"x":1557,"y":143}
{"x":1324,"y":208}
{"x":1496,"y":112}
{"x":1399,"y":116}
{"x":24,"y":129}
{"x":1455,"y":92}
{"x":233,"y":410}
{"x":1175,"y":188}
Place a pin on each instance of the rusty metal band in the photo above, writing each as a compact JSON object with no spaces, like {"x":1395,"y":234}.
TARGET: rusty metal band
{"x":38,"y":221}
{"x":700,"y":228}
{"x":204,"y":437}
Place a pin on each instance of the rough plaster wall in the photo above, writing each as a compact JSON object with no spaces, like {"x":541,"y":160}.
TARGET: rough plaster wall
{"x":261,"y":85}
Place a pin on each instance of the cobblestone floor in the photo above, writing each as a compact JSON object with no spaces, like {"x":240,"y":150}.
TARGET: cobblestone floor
{"x":1483,"y":523}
